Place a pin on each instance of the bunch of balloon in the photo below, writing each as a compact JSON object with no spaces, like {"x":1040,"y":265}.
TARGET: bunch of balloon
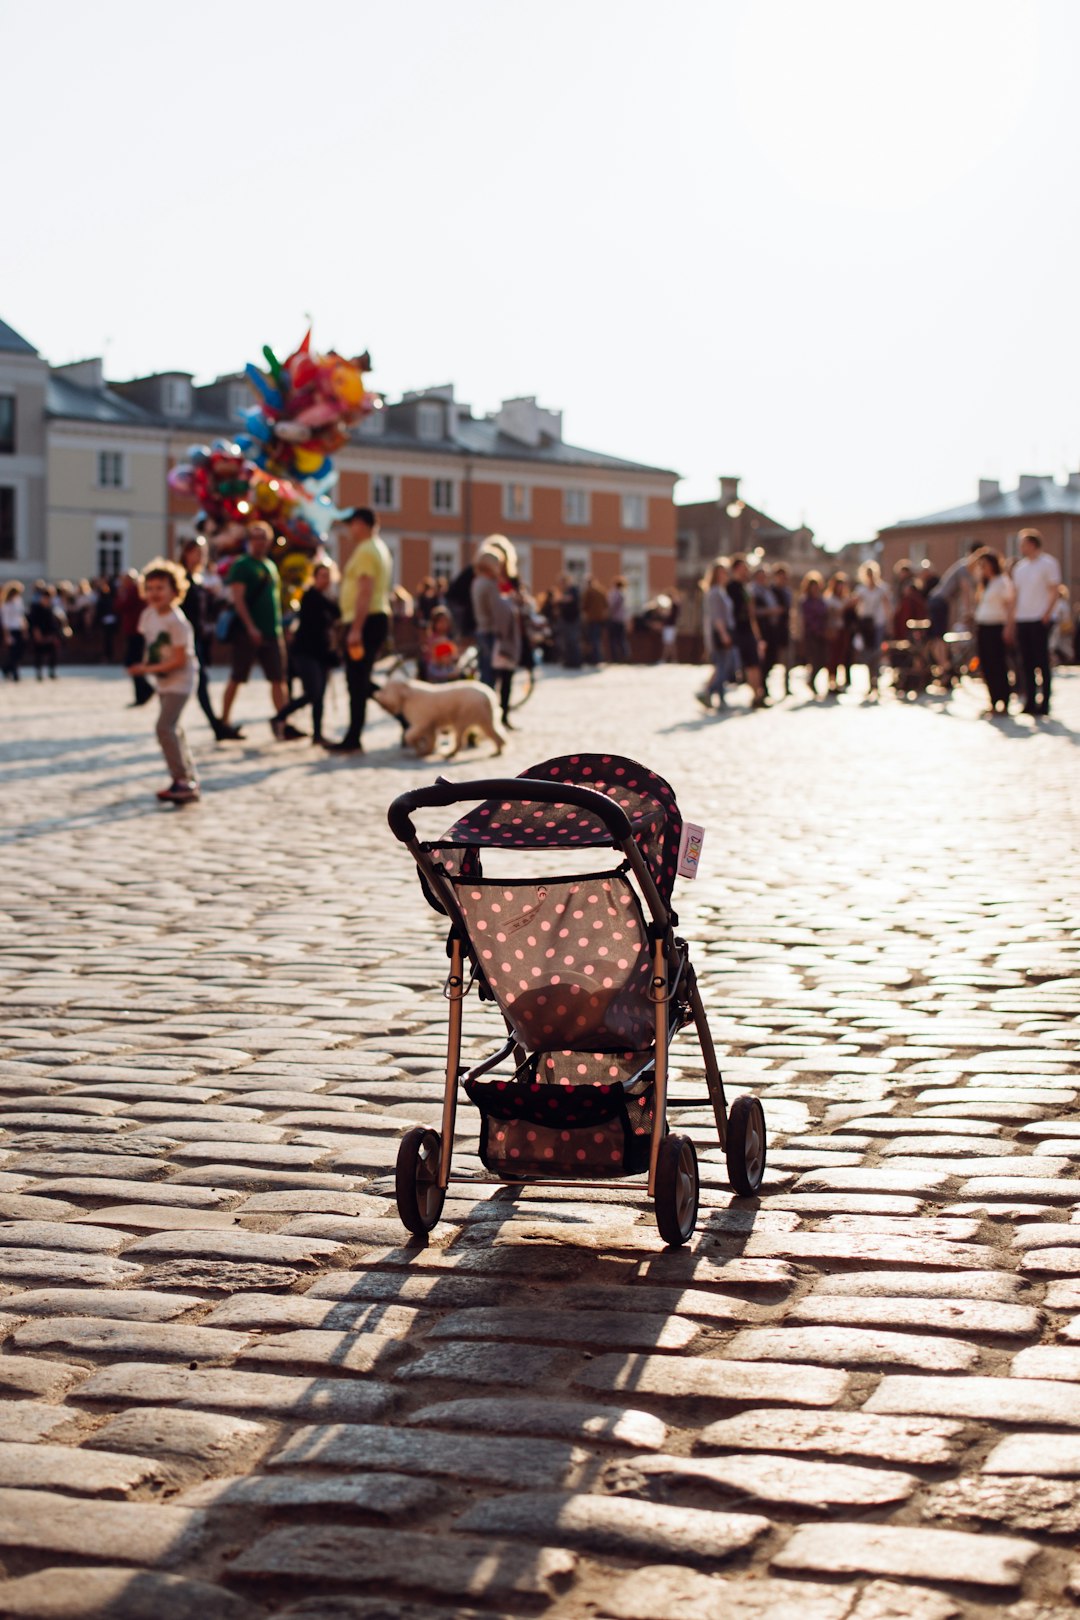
{"x":218,"y":476}
{"x":306,"y":406}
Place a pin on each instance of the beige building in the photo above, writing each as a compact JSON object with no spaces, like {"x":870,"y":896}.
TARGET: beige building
{"x":23,"y":381}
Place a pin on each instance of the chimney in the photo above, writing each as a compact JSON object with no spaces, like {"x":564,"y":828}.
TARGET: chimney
{"x":1074,"y":480}
{"x":1032,"y":483}
{"x":989,"y":490}
{"x":729,"y":490}
{"x":86,"y":373}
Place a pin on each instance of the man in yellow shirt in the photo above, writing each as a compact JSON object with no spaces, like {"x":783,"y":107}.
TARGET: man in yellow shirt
{"x":365,"y":609}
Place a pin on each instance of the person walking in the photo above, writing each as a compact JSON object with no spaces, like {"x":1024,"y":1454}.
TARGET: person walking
{"x":568,"y":621}
{"x":778,"y":632}
{"x":169,"y":641}
{"x":594,"y":611}
{"x":13,"y":627}
{"x":129,"y":606}
{"x":749,"y":642}
{"x":815,"y":628}
{"x":194,"y":606}
{"x":838,"y":634}
{"x":105,"y":617}
{"x":313,"y":651}
{"x":506,"y":655}
{"x":484,"y":595}
{"x":718,"y":628}
{"x":48,"y":624}
{"x":255,"y":587}
{"x":993,"y":607}
{"x":617,"y":611}
{"x":1036,"y":578}
{"x":365,"y":610}
{"x":871,"y":621}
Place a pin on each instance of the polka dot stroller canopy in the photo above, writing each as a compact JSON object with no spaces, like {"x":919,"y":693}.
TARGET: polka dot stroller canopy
{"x":567,"y":958}
{"x":647,"y":799}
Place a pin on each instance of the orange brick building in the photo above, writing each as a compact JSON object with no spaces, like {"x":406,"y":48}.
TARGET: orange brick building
{"x":441,"y":479}
{"x":995,"y":519}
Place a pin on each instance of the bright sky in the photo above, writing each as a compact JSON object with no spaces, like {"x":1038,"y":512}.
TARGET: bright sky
{"x":828,"y":245}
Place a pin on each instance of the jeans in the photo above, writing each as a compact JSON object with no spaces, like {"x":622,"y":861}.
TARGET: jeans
{"x":170,"y":734}
{"x":994,"y":662}
{"x":313,"y":678}
{"x":618,"y":651}
{"x":723,"y":660}
{"x":570,"y":643}
{"x":13,"y":654}
{"x":1033,"y":645}
{"x":358,"y":674}
{"x":594,"y":649}
{"x":485,"y":648}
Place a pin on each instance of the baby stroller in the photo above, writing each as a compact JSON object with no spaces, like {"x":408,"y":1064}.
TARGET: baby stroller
{"x":591,"y":987}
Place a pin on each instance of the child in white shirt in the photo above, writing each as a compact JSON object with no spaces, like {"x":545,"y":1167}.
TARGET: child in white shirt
{"x":169,"y":658}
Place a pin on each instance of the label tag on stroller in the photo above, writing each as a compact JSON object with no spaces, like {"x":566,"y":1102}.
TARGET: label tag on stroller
{"x":690,"y":849}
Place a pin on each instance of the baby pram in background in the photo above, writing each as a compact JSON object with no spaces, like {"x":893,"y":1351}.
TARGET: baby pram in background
{"x":591,"y":987}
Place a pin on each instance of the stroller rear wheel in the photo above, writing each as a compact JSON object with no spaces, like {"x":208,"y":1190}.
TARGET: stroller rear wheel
{"x":676,"y":1199}
{"x":420,"y":1199}
{"x":746,"y":1145}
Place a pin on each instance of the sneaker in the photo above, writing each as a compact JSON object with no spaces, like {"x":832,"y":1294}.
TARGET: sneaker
{"x":179,"y":793}
{"x":705,"y":699}
{"x":184,"y":793}
{"x":229,"y":734}
{"x":344,"y":747}
{"x":278,"y":729}
{"x":291,"y":734}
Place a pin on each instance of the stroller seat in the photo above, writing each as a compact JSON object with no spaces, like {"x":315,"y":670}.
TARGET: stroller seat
{"x":591,"y":981}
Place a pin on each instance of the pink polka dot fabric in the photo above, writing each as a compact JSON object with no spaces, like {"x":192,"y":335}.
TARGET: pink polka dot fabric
{"x":568,"y":962}
{"x":648,"y":800}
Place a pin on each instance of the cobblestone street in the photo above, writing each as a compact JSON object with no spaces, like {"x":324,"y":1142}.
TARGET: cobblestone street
{"x":230,"y":1389}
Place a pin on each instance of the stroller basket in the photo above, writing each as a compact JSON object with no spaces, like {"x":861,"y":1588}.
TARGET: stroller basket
{"x":591,"y":982}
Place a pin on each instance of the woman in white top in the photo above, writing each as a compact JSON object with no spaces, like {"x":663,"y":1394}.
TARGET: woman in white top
{"x":871,"y":619}
{"x":12,"y":628}
{"x":992,"y":611}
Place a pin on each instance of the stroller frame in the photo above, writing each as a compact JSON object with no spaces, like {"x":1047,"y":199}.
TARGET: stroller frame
{"x":673,"y":991}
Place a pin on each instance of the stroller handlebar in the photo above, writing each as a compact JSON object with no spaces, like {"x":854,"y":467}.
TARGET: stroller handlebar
{"x":530,"y":790}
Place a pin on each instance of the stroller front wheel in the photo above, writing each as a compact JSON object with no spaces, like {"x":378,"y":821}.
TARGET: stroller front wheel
{"x":676,"y":1198}
{"x":745,"y":1150}
{"x":420,"y":1199}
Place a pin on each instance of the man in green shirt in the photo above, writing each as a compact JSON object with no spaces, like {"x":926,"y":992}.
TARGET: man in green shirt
{"x":256,"y":598}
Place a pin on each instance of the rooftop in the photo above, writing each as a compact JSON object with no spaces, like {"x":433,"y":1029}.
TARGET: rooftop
{"x":1037,"y":495}
{"x":11,"y":342}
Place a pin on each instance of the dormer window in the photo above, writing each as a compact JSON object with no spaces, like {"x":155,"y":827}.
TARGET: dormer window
{"x":177,"y":396}
{"x":429,"y":421}
{"x":240,"y":398}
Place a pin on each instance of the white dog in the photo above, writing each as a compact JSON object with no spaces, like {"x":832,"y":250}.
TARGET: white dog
{"x":426,"y":708}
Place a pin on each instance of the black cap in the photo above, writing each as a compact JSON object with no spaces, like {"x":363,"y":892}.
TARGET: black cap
{"x":363,"y":514}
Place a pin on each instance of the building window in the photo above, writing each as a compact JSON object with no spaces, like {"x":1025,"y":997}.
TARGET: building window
{"x":110,"y":469}
{"x":443,"y":495}
{"x":634,"y":512}
{"x":7,"y":424}
{"x":383,"y":491}
{"x":372,"y":425}
{"x":633,"y":569}
{"x":444,"y":560}
{"x":429,"y":421}
{"x":177,"y":396}
{"x":240,"y":399}
{"x":517,"y":502}
{"x":683,"y":547}
{"x":111,"y":548}
{"x":576,"y":564}
{"x":575,"y":506}
{"x":7,"y":523}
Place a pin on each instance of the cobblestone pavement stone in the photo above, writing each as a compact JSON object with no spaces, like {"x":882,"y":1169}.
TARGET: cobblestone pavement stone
{"x":229,"y":1387}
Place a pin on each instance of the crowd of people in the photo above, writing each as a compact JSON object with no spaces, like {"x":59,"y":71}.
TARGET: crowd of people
{"x":1008,"y":620}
